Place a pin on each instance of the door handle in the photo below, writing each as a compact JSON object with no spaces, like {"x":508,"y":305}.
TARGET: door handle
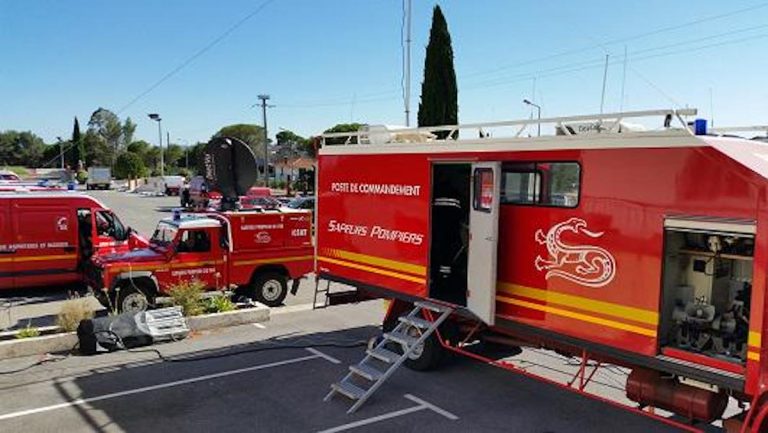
{"x":490,"y":238}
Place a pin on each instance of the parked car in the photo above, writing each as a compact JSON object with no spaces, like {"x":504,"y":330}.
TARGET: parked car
{"x":198,"y":195}
{"x":173,"y":184}
{"x":8,"y":175}
{"x":307,"y":203}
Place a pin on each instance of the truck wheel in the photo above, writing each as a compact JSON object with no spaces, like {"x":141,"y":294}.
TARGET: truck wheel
{"x":133,"y":299}
{"x":270,"y":289}
{"x":424,"y":357}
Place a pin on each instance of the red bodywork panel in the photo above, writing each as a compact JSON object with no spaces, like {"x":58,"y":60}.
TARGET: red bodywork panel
{"x":373,"y":230}
{"x":258,"y":240}
{"x":41,"y":243}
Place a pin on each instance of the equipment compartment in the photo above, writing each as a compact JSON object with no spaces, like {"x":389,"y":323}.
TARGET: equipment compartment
{"x":707,"y":292}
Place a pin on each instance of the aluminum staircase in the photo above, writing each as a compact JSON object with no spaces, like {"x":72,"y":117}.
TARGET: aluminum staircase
{"x":367,"y":376}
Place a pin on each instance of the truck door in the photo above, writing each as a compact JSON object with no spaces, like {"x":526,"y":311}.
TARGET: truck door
{"x":108,"y":232}
{"x":199,"y":257}
{"x":483,"y":240}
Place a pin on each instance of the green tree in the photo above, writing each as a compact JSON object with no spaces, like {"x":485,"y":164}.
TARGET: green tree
{"x":340,"y":127}
{"x":290,"y":145}
{"x":76,"y":152}
{"x":253,"y":135}
{"x":128,"y":129}
{"x":22,"y":148}
{"x":173,"y":155}
{"x":98,"y":152}
{"x":128,"y":165}
{"x":439,"y":100}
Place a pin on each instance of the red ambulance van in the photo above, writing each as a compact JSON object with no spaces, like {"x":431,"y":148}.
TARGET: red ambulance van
{"x":46,"y":238}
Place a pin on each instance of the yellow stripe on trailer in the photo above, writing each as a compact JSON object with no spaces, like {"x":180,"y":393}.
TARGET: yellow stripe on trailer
{"x":378,"y":261}
{"x":372,"y":270}
{"x":620,"y":311}
{"x":579,"y":316}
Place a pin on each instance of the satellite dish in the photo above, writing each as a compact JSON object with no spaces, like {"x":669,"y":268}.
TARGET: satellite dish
{"x":229,"y":167}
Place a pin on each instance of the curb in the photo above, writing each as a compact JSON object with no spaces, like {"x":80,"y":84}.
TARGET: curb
{"x":259,"y":313}
{"x":65,"y":342}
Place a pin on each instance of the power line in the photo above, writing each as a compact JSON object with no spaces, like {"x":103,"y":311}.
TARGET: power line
{"x":197,"y":54}
{"x":619,"y":40}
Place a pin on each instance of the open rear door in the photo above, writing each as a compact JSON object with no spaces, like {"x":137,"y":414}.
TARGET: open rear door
{"x":483,"y":240}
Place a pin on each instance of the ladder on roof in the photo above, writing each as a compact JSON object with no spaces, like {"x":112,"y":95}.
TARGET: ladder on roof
{"x":365,"y":378}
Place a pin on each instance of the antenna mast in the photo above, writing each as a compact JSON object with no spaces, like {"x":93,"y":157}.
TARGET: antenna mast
{"x":407,"y":66}
{"x":605,"y":79}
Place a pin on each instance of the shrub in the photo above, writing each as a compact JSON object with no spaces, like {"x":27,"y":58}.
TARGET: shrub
{"x":188,"y":296}
{"x":72,"y":312}
{"x":28,"y":332}
{"x":219,"y":304}
{"x":82,"y":177}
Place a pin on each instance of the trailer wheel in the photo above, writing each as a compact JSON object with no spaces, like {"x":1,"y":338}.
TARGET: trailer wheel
{"x":270,"y":289}
{"x":425,"y":357}
{"x":134,"y":298}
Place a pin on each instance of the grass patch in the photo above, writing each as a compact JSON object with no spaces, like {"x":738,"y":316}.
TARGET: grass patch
{"x":219,"y":304}
{"x":72,"y":312}
{"x":28,"y":332}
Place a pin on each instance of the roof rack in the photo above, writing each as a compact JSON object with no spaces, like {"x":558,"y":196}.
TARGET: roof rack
{"x":569,"y":125}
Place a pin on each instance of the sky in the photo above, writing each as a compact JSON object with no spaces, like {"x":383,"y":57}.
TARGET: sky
{"x":202,"y":63}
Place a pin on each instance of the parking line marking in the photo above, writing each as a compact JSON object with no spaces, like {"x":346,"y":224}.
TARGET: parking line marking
{"x":421,"y":405}
{"x":82,"y":401}
{"x":328,"y":358}
{"x":292,"y":309}
{"x":259,"y":325}
{"x":431,"y":406}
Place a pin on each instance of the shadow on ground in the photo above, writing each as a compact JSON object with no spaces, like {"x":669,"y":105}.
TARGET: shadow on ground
{"x":278,"y":386}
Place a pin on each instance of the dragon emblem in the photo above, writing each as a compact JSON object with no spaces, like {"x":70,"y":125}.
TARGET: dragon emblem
{"x":587,"y":265}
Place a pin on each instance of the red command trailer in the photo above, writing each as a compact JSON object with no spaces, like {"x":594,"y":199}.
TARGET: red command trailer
{"x":641,"y":247}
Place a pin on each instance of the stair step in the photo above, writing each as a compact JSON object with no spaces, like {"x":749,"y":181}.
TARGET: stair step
{"x":366,"y":371}
{"x":348,"y":390}
{"x":415,"y":321}
{"x":432,"y":307}
{"x":383,"y":355}
{"x":404,"y":339}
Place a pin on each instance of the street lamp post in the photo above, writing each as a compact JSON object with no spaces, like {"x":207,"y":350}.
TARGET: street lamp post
{"x":538,"y":111}
{"x":156,"y":117}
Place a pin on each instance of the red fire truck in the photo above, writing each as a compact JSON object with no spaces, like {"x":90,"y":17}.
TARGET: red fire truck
{"x":47,"y":238}
{"x":254,"y":252}
{"x":619,"y":244}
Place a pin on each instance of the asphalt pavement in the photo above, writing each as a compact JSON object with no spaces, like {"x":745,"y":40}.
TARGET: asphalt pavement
{"x":273,"y":377}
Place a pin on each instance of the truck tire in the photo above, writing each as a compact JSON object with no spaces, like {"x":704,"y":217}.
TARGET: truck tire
{"x":270,"y":289}
{"x":134,"y":298}
{"x":427,"y":357}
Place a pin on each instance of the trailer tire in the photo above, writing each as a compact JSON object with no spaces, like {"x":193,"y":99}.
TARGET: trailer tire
{"x":428,"y":357}
{"x":269,"y":288}
{"x":134,"y":298}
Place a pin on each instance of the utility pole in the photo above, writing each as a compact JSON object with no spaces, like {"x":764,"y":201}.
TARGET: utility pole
{"x":61,"y":151}
{"x":264,"y":98}
{"x":407,"y":65}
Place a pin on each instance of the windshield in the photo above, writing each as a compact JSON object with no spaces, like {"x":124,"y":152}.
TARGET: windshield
{"x":108,"y":224}
{"x":164,"y":234}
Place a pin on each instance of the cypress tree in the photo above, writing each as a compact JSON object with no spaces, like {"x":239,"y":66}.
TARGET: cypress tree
{"x":77,"y":153}
{"x":439,"y":104}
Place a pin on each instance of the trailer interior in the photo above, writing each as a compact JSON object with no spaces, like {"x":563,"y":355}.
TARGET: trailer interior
{"x":707,"y":292}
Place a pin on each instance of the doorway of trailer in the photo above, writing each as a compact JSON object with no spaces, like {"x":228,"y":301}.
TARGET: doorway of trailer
{"x":463,"y":233}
